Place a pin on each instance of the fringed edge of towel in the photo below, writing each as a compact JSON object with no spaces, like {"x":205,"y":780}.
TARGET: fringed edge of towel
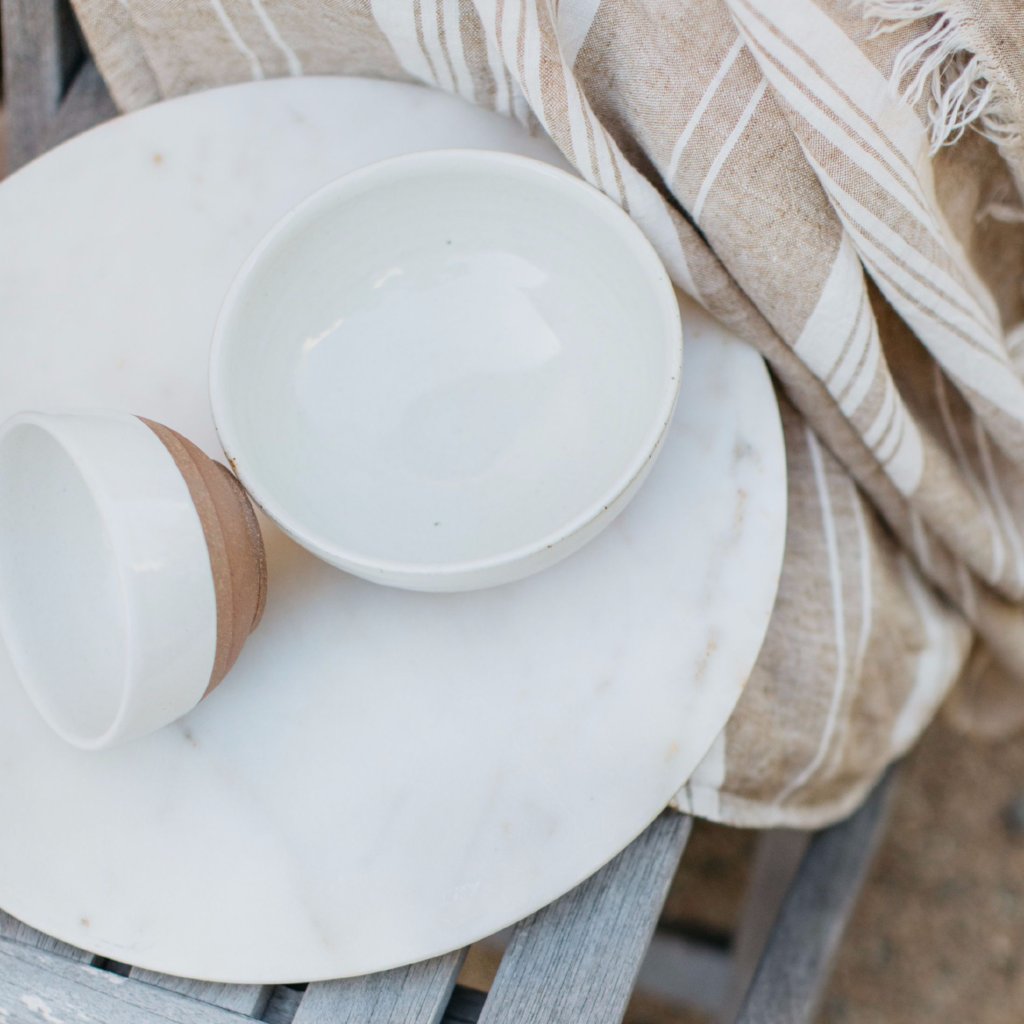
{"x":962,"y":90}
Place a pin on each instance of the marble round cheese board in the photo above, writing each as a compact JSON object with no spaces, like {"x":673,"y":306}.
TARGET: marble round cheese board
{"x":386,"y":775}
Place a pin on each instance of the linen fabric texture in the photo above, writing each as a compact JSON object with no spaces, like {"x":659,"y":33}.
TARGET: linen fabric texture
{"x":838,"y":183}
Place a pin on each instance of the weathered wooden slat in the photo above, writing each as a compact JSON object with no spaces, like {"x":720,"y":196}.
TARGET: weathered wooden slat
{"x":86,"y":104}
{"x":798,"y":957}
{"x":12,"y":928}
{"x":34,"y":67}
{"x":578,"y":959}
{"x":38,"y":986}
{"x":407,"y":995}
{"x":778,"y":856}
{"x":248,"y":999}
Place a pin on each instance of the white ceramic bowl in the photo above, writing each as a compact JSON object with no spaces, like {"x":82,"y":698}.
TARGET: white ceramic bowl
{"x":111,"y":607}
{"x":447,"y":370}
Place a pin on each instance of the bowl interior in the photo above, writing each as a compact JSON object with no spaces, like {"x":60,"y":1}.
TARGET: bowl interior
{"x":61,"y":600}
{"x":444,"y":360}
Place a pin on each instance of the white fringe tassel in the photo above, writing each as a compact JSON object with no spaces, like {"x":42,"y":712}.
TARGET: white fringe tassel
{"x":961,"y":93}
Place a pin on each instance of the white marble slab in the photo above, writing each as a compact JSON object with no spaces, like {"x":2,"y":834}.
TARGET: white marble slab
{"x":386,"y":775}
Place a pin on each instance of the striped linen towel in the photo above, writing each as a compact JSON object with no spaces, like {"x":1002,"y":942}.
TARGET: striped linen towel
{"x":840,"y":183}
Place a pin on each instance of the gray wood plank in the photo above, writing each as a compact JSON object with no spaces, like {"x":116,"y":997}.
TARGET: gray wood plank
{"x":248,"y":999}
{"x":34,"y":66}
{"x":38,"y":986}
{"x":778,"y":856}
{"x":13,"y":929}
{"x":86,"y":104}
{"x":798,"y":957}
{"x":578,"y":959}
{"x":407,"y":995}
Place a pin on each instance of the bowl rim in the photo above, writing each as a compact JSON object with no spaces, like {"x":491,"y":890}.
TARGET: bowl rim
{"x":140,"y":707}
{"x":53,"y":426}
{"x":633,"y":240}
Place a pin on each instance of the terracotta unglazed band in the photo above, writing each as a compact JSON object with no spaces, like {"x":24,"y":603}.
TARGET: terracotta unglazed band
{"x":237,"y":556}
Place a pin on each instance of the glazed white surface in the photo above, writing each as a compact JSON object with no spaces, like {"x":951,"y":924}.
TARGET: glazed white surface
{"x":447,"y":370}
{"x":385,"y":775}
{"x":106,"y":587}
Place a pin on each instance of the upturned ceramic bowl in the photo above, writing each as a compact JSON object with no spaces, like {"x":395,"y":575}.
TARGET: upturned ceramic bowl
{"x":447,"y":370}
{"x":131,"y":571}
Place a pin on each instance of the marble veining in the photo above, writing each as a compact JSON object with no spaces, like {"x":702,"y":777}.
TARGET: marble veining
{"x":386,"y":775}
